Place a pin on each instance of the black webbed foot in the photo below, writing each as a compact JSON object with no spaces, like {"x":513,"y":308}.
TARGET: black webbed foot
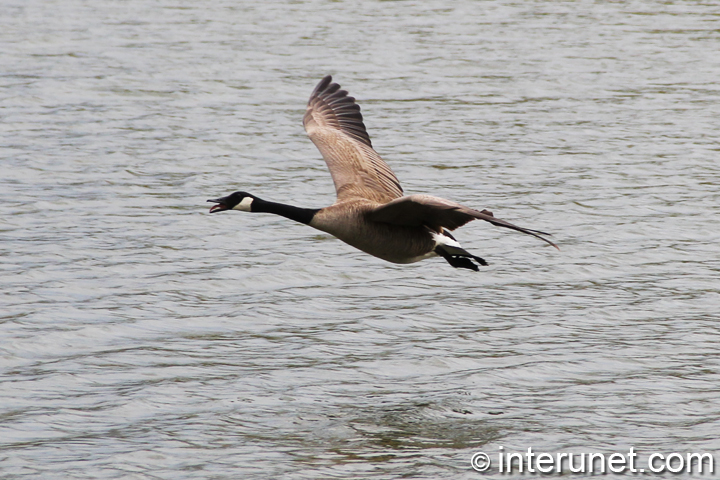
{"x":481,"y":261}
{"x":461,"y":261}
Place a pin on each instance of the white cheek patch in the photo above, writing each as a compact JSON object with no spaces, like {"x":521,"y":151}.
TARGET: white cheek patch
{"x":244,"y":205}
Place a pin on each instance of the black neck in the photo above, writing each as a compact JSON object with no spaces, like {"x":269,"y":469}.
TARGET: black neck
{"x":302,"y":215}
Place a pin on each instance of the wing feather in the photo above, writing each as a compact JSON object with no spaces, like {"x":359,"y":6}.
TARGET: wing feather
{"x":335,"y":125}
{"x":437,"y":213}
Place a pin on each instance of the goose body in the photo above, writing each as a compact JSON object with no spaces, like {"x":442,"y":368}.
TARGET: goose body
{"x":371,"y":213}
{"x":349,"y":222}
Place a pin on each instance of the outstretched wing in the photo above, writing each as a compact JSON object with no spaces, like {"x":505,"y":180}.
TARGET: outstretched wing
{"x":335,"y":125}
{"x":436,"y":213}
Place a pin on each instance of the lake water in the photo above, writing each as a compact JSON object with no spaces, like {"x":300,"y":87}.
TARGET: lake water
{"x":142,"y":338}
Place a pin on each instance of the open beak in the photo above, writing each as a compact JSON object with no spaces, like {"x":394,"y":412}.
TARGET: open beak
{"x":219,"y":207}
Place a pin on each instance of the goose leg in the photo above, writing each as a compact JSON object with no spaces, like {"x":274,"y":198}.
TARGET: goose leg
{"x":460,"y":260}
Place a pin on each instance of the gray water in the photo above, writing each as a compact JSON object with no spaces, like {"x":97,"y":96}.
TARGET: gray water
{"x":142,"y":338}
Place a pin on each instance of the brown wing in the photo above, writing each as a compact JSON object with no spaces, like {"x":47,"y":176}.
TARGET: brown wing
{"x":436,"y":213}
{"x":335,"y":125}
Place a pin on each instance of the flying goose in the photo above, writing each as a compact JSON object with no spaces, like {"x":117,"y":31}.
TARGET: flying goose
{"x":371,"y":213}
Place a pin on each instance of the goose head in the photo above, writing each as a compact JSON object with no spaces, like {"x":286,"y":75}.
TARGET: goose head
{"x":235,"y":201}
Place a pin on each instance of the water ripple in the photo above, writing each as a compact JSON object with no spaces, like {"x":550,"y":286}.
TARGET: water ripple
{"x":143,"y":338}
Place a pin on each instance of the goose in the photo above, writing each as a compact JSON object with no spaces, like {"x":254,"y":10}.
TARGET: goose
{"x":371,"y":212}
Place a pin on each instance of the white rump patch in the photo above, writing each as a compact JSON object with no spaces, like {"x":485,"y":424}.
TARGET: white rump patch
{"x":444,"y":241}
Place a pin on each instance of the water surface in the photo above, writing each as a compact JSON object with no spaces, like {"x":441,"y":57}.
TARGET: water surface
{"x":143,"y":338}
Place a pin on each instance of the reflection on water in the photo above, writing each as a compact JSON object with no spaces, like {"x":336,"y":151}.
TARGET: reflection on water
{"x":143,"y":338}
